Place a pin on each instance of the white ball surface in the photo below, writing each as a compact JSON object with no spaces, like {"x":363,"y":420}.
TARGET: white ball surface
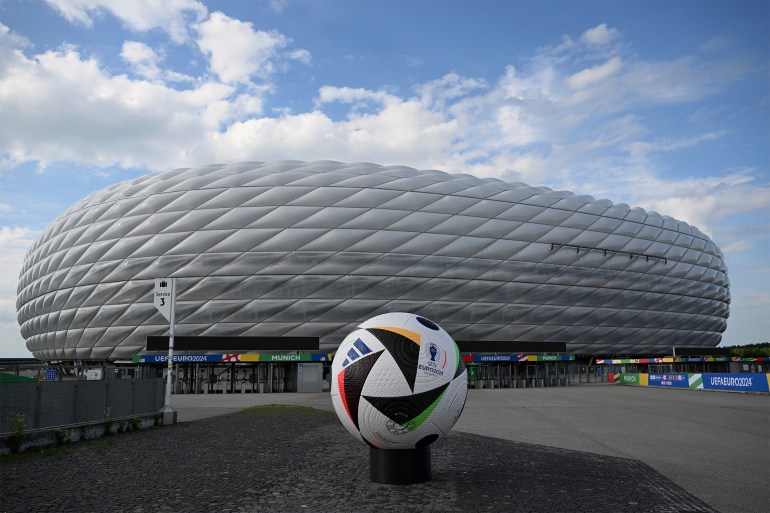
{"x":398,"y":382}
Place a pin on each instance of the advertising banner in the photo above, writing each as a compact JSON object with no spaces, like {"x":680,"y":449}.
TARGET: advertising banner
{"x":669,"y":380}
{"x":480,"y":358}
{"x":233,"y":358}
{"x":746,"y":382}
{"x":495,"y":358}
{"x":178,"y":358}
{"x":627,"y":378}
{"x":277,"y":358}
{"x":682,"y":359}
{"x":738,"y":382}
{"x":695,"y":381}
{"x":546,"y":357}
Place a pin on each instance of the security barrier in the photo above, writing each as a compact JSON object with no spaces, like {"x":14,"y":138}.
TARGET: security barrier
{"x":746,"y":382}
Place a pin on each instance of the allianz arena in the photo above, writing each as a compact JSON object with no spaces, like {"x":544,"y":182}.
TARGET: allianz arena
{"x":289,"y":249}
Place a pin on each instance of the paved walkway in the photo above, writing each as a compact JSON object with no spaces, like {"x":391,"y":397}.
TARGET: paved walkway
{"x":716,"y":445}
{"x":278,"y":459}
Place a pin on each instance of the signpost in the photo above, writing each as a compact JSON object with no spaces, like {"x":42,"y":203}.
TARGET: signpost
{"x":164,"y":298}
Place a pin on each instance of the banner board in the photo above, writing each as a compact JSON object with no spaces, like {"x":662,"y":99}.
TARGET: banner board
{"x":738,"y":382}
{"x":233,"y":358}
{"x":682,"y":359}
{"x":678,"y":380}
{"x":630,"y":378}
{"x":495,"y":358}
{"x":744,"y":382}
{"x":481,"y":358}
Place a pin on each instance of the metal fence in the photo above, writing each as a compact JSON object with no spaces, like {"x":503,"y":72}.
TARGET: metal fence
{"x":72,"y":402}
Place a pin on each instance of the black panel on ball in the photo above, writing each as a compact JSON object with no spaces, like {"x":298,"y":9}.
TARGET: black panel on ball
{"x":400,"y":466}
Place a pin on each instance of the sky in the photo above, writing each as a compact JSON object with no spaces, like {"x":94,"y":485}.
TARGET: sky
{"x":660,"y":105}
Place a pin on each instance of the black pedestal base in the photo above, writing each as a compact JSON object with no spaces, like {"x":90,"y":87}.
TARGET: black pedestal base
{"x":399,"y":466}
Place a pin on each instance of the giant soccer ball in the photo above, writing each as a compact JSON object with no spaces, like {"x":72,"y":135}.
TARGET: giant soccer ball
{"x":398,"y":382}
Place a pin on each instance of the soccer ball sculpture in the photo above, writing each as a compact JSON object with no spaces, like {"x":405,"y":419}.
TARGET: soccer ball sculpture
{"x":398,"y":382}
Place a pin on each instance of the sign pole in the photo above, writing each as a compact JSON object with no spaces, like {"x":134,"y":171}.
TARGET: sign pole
{"x":166,"y":303}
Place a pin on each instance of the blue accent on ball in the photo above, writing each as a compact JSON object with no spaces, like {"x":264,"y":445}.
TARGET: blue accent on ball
{"x":428,"y":324}
{"x":363,"y":348}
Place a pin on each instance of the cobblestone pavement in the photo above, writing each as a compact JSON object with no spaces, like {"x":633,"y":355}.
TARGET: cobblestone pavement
{"x":280,"y":458}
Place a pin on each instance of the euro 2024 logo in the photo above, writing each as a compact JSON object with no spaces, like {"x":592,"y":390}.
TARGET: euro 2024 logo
{"x":433,"y":361}
{"x":431,"y":366}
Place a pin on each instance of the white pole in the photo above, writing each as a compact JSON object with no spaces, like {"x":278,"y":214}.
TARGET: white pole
{"x":169,"y":372}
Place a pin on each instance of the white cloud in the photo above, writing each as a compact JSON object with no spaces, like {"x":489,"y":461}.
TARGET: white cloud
{"x":703,"y":201}
{"x":449,"y":87}
{"x":537,"y":85}
{"x":515,"y":127}
{"x":599,"y":35}
{"x":237,"y":51}
{"x":14,"y":242}
{"x":717,"y":44}
{"x":526,"y":126}
{"x":413,"y":61}
{"x":594,"y":75}
{"x":640,"y":151}
{"x":119,"y":120}
{"x":14,"y":238}
{"x":11,"y":42}
{"x":146,"y":63}
{"x":171,"y":16}
{"x":682,"y":80}
{"x":727,"y":208}
{"x":398,"y":131}
{"x":278,"y":5}
{"x":301,"y":55}
{"x":141,"y":56}
{"x":329,"y":94}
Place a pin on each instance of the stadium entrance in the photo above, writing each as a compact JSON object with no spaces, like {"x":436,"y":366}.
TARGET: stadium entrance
{"x":241,"y":373}
{"x":520,"y":371}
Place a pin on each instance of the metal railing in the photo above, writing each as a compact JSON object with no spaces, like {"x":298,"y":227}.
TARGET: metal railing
{"x":629,"y":254}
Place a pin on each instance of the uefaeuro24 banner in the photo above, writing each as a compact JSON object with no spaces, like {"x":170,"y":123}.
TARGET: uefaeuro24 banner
{"x":752,"y":382}
{"x":739,"y":382}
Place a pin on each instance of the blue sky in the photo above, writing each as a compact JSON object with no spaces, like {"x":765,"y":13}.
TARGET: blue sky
{"x":661,"y":105}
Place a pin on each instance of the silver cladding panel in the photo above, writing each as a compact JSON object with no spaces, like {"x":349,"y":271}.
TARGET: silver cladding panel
{"x":312,"y":249}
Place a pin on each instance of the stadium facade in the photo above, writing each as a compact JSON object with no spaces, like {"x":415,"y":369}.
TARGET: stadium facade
{"x":311,"y":249}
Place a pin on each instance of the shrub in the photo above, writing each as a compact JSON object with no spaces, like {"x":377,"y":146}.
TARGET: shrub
{"x":18,"y":422}
{"x":62,"y":435}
